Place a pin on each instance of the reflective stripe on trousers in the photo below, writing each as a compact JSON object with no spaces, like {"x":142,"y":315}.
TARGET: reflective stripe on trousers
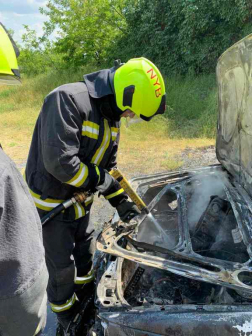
{"x":69,"y":303}
{"x":60,"y":308}
{"x":84,"y":279}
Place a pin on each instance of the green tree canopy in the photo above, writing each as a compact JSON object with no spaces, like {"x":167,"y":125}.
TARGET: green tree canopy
{"x":86,"y":27}
{"x":184,"y":35}
{"x":180,"y":36}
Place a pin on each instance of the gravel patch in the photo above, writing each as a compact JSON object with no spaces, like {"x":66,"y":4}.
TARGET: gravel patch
{"x":198,"y":157}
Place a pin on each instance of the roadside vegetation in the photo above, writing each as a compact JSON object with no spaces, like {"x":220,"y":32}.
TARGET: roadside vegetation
{"x":148,"y":147}
{"x":184,"y":38}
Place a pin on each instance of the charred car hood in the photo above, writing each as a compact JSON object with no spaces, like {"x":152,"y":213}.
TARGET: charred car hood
{"x":234,"y":132}
{"x":186,"y":268}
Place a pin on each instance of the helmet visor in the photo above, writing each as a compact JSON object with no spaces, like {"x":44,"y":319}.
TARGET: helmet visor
{"x":160,"y":110}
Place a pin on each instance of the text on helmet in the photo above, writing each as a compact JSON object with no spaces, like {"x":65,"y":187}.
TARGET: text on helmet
{"x":154,"y":76}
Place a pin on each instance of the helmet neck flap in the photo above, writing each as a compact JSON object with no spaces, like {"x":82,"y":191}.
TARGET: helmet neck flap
{"x":100,"y":87}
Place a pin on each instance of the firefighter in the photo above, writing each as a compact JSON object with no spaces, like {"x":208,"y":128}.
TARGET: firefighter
{"x":23,"y":271}
{"x":74,"y":147}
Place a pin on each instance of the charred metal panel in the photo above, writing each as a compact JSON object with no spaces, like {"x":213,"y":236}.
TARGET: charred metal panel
{"x":180,"y":258}
{"x":197,"y":321}
{"x":108,"y":292}
{"x":234,"y":133}
{"x":206,"y":216}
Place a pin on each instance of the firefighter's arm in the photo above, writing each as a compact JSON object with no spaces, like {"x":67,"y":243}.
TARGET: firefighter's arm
{"x":115,"y":194}
{"x":61,"y":124}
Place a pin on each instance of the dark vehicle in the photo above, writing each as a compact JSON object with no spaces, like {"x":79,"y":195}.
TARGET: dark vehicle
{"x":186,"y":268}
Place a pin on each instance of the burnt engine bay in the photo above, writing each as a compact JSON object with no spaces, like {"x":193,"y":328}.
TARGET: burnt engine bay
{"x":194,"y":247}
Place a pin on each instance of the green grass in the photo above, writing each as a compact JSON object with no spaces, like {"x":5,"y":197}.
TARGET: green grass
{"x":190,"y":120}
{"x":191,"y":101}
{"x":192,"y":106}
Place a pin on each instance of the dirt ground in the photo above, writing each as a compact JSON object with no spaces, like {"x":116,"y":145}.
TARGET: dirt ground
{"x":102,"y":211}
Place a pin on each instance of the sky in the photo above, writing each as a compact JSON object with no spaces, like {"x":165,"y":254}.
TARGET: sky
{"x":15,"y":13}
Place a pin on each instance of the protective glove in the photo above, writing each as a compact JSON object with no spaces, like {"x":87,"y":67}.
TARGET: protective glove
{"x":127,"y":210}
{"x":106,"y":182}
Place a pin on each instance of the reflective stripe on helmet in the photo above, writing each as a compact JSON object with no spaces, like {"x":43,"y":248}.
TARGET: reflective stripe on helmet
{"x":60,"y":308}
{"x":84,"y":279}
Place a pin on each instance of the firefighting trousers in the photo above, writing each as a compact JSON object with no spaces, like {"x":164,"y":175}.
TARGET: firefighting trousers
{"x":68,"y":245}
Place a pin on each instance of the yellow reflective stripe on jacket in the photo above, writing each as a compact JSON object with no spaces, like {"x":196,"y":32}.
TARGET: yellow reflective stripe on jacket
{"x":98,"y":173}
{"x":65,"y":306}
{"x":80,"y":177}
{"x":84,"y":279}
{"x":80,"y":210}
{"x":47,"y":204}
{"x":104,"y":145}
{"x":89,"y":200}
{"x":114,"y":132}
{"x":90,"y":129}
{"x":114,"y":194}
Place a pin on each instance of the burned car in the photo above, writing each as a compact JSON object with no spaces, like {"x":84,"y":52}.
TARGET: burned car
{"x":186,"y":267}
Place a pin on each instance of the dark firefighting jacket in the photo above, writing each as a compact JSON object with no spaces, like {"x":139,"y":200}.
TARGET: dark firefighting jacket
{"x":23,"y":273}
{"x":77,"y":130}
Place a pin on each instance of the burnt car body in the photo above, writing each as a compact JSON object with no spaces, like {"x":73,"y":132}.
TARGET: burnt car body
{"x":186,"y":268}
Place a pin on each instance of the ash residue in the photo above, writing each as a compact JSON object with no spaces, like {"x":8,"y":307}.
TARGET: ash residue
{"x":164,"y":288}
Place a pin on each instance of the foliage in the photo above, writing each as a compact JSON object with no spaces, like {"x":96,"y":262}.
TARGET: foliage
{"x":180,"y":36}
{"x":85,"y":28}
{"x":37,"y":54}
{"x":183,"y":36}
{"x":146,"y":145}
{"x":192,"y":106}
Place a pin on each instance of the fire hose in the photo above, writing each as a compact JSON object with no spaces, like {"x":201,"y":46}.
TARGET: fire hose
{"x":80,"y":197}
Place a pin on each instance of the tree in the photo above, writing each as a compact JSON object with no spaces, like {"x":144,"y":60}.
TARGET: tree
{"x":183,"y":35}
{"x":86,"y":28}
{"x":37,"y":53}
{"x":180,"y":36}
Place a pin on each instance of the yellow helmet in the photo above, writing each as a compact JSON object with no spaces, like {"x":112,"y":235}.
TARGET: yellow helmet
{"x":9,"y":73}
{"x":139,"y":86}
